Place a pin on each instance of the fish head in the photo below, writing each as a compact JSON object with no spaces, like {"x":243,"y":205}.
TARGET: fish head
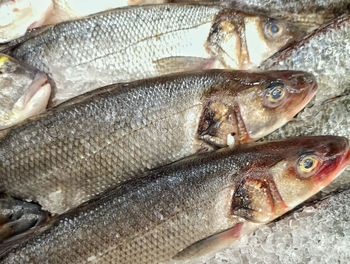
{"x":243,"y":41}
{"x":275,"y":99}
{"x":265,"y":36}
{"x":24,"y":92}
{"x":288,"y":172}
{"x":250,"y":106}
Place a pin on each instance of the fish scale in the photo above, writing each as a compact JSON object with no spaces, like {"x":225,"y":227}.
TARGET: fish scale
{"x":121,"y":38}
{"x":116,"y":151}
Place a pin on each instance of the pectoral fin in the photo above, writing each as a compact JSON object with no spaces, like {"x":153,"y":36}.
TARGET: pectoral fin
{"x":211,"y":244}
{"x":179,"y":64}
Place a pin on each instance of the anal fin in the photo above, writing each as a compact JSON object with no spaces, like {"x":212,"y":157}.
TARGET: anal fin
{"x":211,"y":244}
{"x":183,"y":63}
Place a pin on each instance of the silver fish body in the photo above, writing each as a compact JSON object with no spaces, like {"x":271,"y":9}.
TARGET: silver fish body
{"x":146,"y":41}
{"x":324,"y":53}
{"x":161,"y":216}
{"x":101,"y":139}
{"x":310,"y":13}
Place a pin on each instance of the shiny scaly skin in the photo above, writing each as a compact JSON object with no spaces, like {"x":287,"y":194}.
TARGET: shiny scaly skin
{"x":96,"y":141}
{"x":151,"y":219}
{"x":303,"y":12}
{"x":117,"y":44}
{"x":106,"y":139}
{"x":146,"y":41}
{"x":325,"y":54}
{"x":314,"y":12}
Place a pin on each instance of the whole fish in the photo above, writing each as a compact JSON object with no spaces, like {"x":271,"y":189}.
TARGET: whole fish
{"x":330,"y":118}
{"x":300,"y":236}
{"x":16,"y":16}
{"x":146,"y":41}
{"x":189,"y":208}
{"x":86,"y":145}
{"x":24,"y":92}
{"x":324,"y":53}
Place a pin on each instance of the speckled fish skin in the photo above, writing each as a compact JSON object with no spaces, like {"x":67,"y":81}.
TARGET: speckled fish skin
{"x":153,"y":218}
{"x":324,"y":53}
{"x":147,"y":41}
{"x":311,"y":13}
{"x":96,"y":141}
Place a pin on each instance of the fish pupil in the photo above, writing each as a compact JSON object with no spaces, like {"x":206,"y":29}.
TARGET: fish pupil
{"x":276,"y":93}
{"x":274,"y":29}
{"x":308,"y":163}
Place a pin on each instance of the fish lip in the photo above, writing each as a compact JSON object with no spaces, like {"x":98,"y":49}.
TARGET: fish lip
{"x":312,"y":89}
{"x":335,"y":165}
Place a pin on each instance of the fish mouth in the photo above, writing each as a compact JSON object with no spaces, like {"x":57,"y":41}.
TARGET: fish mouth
{"x":305,"y":100}
{"x":335,"y":166}
{"x":39,"y":81}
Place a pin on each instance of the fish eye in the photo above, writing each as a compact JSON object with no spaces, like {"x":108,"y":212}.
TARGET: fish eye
{"x":307,"y":164}
{"x":273,"y":29}
{"x":274,"y":94}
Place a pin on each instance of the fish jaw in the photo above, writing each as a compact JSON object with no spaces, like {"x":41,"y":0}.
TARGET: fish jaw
{"x":260,"y":117}
{"x":18,"y":16}
{"x":31,"y":103}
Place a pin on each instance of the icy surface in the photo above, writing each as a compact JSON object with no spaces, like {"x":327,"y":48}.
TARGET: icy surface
{"x":318,"y":233}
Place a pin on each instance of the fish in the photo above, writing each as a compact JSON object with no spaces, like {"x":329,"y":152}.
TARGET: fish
{"x":310,"y":14}
{"x":323,"y":53}
{"x":16,"y":16}
{"x":332,"y":117}
{"x":19,"y":16}
{"x":96,"y":141}
{"x":17,"y":216}
{"x":128,"y":44}
{"x":24,"y":92}
{"x":188,"y":208}
{"x":298,"y":236}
